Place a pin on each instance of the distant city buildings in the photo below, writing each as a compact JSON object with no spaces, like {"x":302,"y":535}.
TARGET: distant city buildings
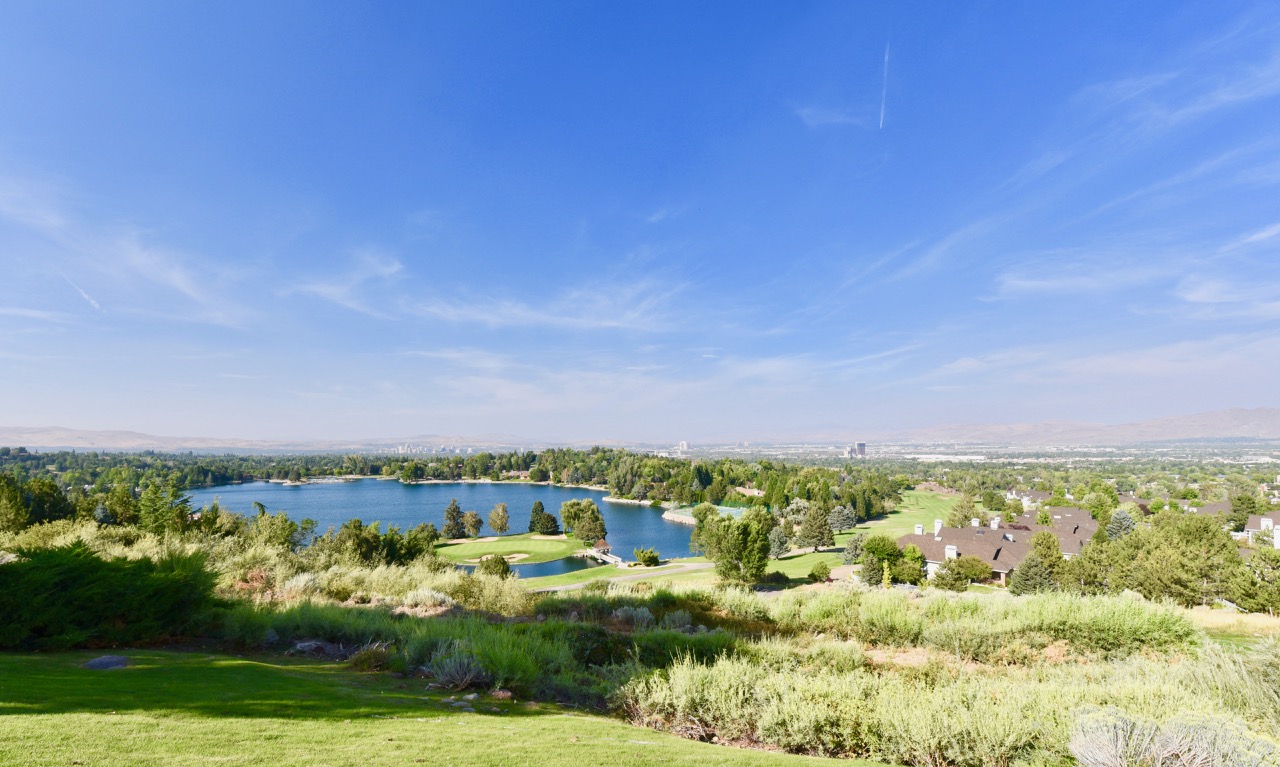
{"x":856,"y":450}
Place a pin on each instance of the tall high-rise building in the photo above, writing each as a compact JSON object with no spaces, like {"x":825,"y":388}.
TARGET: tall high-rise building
{"x":861,"y":447}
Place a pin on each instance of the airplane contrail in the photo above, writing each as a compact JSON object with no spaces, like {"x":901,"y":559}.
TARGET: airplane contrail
{"x":884,"y":89}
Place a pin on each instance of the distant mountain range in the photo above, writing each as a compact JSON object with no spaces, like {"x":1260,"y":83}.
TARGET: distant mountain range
{"x":48,"y":437}
{"x":1237,"y":423}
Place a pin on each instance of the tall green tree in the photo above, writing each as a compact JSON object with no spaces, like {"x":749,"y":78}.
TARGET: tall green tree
{"x":543,"y":522}
{"x":1256,"y":587}
{"x":739,"y":547}
{"x":779,"y":543}
{"x":1243,"y":505}
{"x":472,"y":522}
{"x":499,"y":521}
{"x":535,"y":515}
{"x":13,"y":508}
{"x":453,"y":528}
{"x":815,"y":531}
{"x":1035,"y":575}
{"x":571,"y":512}
{"x":1121,"y":524}
{"x":964,"y":512}
{"x":1046,"y":545}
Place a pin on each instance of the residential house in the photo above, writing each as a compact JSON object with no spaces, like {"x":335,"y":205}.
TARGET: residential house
{"x":1002,"y":545}
{"x":1028,"y":498}
{"x":1263,"y":523}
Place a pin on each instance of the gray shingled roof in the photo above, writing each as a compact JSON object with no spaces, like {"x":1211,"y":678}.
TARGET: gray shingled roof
{"x":1255,"y":521}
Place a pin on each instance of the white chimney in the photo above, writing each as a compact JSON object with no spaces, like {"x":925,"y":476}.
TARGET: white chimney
{"x":937,"y":526}
{"x":975,"y":522}
{"x":919,"y":529}
{"x":952,"y":552}
{"x":995,"y":523}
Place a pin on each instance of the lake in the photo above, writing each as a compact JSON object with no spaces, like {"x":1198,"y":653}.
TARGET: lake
{"x":404,"y":506}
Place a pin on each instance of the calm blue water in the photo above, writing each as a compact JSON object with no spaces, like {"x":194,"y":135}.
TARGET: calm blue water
{"x":404,"y":506}
{"x":554,"y":567}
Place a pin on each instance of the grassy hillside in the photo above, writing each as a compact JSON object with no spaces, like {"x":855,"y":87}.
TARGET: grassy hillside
{"x":198,"y":709}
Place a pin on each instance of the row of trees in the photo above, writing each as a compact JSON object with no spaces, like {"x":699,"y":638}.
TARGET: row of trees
{"x":628,"y":475}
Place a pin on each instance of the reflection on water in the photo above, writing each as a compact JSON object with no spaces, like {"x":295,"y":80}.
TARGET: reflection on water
{"x":554,"y":567}
{"x":404,"y":506}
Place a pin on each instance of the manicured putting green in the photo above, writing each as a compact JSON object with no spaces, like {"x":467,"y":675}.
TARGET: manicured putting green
{"x":537,"y":549}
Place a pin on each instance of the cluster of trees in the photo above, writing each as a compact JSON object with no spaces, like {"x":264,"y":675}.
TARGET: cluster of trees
{"x":583,"y":519}
{"x":883,"y":563}
{"x":823,"y":503}
{"x":367,"y":545}
{"x":739,"y":546}
{"x":542,"y":522}
{"x":1187,"y":558}
{"x":863,"y":493}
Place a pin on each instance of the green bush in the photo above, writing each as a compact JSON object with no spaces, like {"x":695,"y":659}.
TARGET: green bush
{"x":886,"y":618}
{"x":820,"y":572}
{"x":773,"y":694}
{"x":658,"y":648}
{"x":69,"y":597}
{"x":494,"y":565}
{"x":647,"y":557}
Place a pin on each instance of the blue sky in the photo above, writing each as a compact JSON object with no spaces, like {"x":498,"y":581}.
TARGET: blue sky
{"x":636,"y":221}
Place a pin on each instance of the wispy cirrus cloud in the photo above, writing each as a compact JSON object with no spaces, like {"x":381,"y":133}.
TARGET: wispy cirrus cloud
{"x":348,"y":288}
{"x":1219,"y":298}
{"x":641,"y":306}
{"x":1085,"y":273}
{"x":120,"y":258}
{"x":821,"y":117}
{"x":33,"y":314}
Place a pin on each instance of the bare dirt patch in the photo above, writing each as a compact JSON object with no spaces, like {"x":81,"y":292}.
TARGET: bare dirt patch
{"x":902,"y":657}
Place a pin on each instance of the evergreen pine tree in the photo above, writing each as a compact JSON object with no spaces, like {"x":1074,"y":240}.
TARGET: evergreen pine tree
{"x":951,"y":576}
{"x":1121,"y":524}
{"x":152,"y":508}
{"x":815,"y":531}
{"x":872,"y":570}
{"x":453,"y":521}
{"x":535,"y":517}
{"x":1033,"y":576}
{"x":779,"y":543}
{"x":853,"y":548}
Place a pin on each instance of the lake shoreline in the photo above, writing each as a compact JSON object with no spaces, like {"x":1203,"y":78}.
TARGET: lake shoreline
{"x":630,"y":524}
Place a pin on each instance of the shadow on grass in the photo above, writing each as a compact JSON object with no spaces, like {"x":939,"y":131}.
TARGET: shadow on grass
{"x":208,"y":685}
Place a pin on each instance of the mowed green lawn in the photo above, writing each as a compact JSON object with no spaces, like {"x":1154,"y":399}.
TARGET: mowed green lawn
{"x":578,"y":576}
{"x":918,"y":507}
{"x":174,"y":709}
{"x":799,"y":565}
{"x":538,"y":550}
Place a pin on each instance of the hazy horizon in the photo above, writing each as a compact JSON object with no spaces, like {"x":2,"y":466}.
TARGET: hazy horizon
{"x":644,"y":223}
